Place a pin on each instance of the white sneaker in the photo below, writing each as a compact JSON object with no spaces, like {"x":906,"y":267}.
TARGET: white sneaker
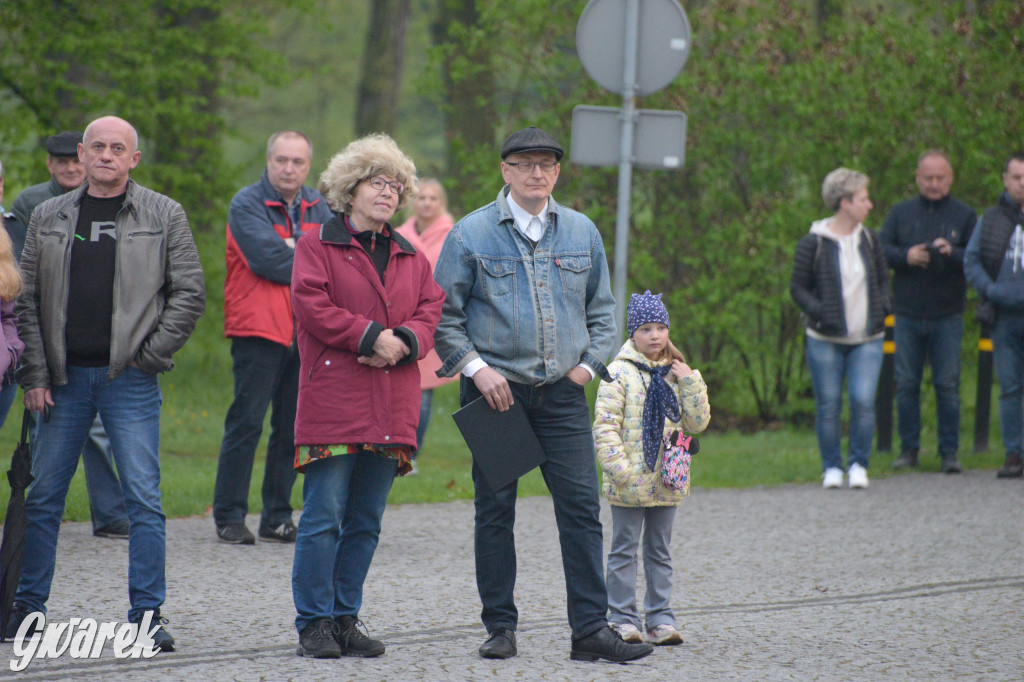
{"x":664,"y":635}
{"x":858,"y":476}
{"x":833,"y":478}
{"x":628,"y":632}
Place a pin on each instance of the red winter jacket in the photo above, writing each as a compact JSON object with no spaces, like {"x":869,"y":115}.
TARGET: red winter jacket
{"x":257,"y":299}
{"x":338,"y":300}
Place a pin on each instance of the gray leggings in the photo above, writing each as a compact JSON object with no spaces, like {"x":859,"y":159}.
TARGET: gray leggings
{"x":656,"y":525}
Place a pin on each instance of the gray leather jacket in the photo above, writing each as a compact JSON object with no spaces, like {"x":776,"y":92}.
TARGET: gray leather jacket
{"x":159,"y":291}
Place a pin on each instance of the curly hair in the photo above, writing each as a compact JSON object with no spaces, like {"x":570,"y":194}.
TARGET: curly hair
{"x":10,"y":276}
{"x":842,"y":183}
{"x":369,"y":156}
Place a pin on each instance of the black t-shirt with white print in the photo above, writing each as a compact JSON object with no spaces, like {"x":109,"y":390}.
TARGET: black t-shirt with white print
{"x":91,"y":283}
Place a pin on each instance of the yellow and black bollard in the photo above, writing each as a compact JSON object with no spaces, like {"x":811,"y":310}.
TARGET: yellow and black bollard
{"x":886,"y":389}
{"x":983,"y":401}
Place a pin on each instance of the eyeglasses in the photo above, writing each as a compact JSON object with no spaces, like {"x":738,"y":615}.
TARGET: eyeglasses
{"x":527,"y":166}
{"x":378,"y":183}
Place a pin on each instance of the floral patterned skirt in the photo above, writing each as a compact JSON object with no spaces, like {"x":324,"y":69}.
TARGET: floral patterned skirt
{"x":304,"y":454}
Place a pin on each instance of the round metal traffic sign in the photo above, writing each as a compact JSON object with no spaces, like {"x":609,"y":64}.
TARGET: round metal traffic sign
{"x":663,"y":43}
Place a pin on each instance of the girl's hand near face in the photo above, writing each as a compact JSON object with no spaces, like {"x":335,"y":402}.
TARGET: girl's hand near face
{"x":680,"y":370}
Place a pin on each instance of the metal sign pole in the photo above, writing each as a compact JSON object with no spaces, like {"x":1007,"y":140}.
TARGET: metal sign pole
{"x":626,"y":164}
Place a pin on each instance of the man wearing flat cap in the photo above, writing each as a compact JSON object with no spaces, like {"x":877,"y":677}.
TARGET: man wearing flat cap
{"x":529,"y":317}
{"x":106,"y":503}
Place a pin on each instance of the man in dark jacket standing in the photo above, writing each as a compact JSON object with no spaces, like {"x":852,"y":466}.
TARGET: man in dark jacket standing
{"x":264,"y":221}
{"x":924,"y":240}
{"x":994,"y":264}
{"x":113,"y":288}
{"x":106,"y":504}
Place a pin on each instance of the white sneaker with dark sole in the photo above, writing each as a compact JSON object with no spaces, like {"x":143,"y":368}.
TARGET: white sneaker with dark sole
{"x":628,"y":632}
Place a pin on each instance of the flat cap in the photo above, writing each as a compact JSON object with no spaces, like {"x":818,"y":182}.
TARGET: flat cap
{"x":63,"y":144}
{"x":531,"y":139}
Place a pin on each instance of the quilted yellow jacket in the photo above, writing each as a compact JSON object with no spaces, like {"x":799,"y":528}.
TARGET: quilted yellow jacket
{"x":618,"y":430}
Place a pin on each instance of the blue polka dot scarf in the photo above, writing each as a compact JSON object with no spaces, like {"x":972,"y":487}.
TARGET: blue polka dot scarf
{"x":660,"y":402}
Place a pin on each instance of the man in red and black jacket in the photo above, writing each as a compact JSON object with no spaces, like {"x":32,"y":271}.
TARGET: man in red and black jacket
{"x":264,"y":221}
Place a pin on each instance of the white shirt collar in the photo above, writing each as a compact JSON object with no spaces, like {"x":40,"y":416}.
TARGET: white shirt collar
{"x":523,"y":218}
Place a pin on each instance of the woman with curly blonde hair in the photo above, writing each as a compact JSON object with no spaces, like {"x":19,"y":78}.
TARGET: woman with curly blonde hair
{"x":366,"y":307}
{"x":10,"y":288}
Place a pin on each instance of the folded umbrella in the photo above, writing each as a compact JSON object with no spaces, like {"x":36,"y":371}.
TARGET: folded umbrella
{"x":12,"y":551}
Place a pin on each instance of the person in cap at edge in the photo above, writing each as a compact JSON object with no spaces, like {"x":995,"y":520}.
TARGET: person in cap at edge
{"x":529,"y":316}
{"x":106,"y":504}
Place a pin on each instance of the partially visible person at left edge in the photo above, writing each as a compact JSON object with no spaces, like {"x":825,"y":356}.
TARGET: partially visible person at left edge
{"x":113,"y":288}
{"x":106,"y":504}
{"x":11,"y":345}
{"x":264,"y":221}
{"x":924,"y":240}
{"x":366,"y":308}
{"x":10,"y":287}
{"x":994,"y":263}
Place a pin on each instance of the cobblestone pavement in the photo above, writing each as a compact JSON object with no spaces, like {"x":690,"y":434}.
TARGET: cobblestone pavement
{"x":919,"y":577}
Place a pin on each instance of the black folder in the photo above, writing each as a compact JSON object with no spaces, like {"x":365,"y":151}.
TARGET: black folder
{"x":503,"y":443}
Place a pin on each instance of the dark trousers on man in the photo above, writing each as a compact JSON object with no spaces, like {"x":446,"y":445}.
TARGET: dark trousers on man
{"x":266,"y":375}
{"x":560,"y":417}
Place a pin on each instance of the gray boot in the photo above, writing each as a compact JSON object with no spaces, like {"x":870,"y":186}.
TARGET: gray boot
{"x":906,"y":460}
{"x":950,"y":464}
{"x":1013,"y":467}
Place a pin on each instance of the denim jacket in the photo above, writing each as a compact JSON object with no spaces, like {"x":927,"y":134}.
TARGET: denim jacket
{"x":530,"y":312}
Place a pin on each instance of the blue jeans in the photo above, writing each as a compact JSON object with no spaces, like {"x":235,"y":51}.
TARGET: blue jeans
{"x":1008,"y":360}
{"x":560,"y":417}
{"x":859,"y":365}
{"x":130,"y":408}
{"x":938,"y":341}
{"x":655,"y":525}
{"x":106,"y":503}
{"x":343,"y":500}
{"x":266,"y":375}
{"x":426,"y":401}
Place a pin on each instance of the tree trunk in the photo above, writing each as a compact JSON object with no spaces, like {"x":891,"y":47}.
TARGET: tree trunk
{"x":379,"y":87}
{"x":470,"y":118}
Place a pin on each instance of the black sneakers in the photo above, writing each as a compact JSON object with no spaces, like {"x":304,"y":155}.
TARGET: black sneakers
{"x":283,"y":533}
{"x":319,"y":639}
{"x":235,"y":534}
{"x":162,"y":640}
{"x":607,"y":644}
{"x":356,"y":642}
{"x":18,"y":615}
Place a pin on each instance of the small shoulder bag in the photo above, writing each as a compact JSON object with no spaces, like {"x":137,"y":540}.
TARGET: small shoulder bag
{"x":675,"y":463}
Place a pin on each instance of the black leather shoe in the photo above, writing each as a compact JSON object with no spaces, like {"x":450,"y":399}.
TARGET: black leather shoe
{"x":607,"y":644}
{"x":500,"y":644}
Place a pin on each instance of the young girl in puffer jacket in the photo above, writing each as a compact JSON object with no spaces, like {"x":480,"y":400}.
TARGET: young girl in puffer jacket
{"x":653,"y":395}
